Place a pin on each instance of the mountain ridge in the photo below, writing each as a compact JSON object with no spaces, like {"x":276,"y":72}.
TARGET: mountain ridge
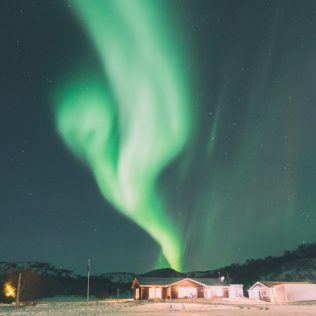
{"x":295,"y":265}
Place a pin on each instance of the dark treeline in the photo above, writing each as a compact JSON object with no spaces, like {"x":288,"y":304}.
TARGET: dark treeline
{"x":295,"y":265}
{"x":50,"y":281}
{"x":41,"y":280}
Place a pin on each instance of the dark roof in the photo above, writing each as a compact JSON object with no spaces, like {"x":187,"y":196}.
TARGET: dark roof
{"x":167,"y":281}
{"x":210,"y":281}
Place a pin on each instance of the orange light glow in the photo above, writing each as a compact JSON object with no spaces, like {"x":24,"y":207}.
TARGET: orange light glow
{"x":9,"y":290}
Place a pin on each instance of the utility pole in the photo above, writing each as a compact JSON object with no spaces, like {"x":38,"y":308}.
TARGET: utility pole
{"x":17,"y":302}
{"x":228,"y":279}
{"x":88,"y":281}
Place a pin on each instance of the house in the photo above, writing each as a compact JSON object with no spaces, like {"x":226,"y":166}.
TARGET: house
{"x":165,"y":288}
{"x":282,"y":292}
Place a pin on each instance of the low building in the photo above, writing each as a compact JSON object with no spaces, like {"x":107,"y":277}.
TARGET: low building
{"x":282,"y":292}
{"x":172,"y":288}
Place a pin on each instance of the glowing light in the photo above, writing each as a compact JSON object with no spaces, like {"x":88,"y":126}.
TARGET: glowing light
{"x":9,"y":290}
{"x":155,"y":292}
{"x":129,"y":129}
{"x":187,"y":292}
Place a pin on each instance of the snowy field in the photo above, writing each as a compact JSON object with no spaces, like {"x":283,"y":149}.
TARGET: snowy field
{"x":240,"y":307}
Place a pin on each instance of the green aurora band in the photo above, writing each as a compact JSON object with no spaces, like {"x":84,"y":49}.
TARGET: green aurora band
{"x":130,"y":127}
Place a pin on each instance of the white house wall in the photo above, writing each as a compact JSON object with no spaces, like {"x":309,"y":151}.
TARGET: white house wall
{"x":235,"y":291}
{"x":215,"y":291}
{"x":254,"y":294}
{"x":259,"y":291}
{"x":232,"y":291}
{"x":300,"y":292}
{"x":278,"y":294}
{"x":283,"y":293}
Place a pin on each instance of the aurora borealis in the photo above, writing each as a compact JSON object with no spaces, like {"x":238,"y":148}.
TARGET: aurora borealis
{"x":128,"y":136}
{"x":132,"y":129}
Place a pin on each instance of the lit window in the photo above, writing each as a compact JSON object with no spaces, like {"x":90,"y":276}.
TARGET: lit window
{"x":151,"y":292}
{"x":154,"y":292}
{"x":187,"y":292}
{"x":158,"y":292}
{"x":219,"y":292}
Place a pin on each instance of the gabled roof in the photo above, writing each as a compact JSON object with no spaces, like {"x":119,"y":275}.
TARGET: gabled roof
{"x":144,"y":281}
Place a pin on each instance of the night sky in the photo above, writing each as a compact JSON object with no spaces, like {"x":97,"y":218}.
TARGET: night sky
{"x":144,"y":134}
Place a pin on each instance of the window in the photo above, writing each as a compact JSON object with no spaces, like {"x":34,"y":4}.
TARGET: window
{"x":158,"y":292}
{"x":219,"y":292}
{"x":187,"y":292}
{"x":137,"y":294}
{"x":264,"y":295}
{"x":154,"y":292}
{"x":151,"y":292}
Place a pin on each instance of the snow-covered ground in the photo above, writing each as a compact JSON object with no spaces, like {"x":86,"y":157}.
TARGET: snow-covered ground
{"x":241,"y":307}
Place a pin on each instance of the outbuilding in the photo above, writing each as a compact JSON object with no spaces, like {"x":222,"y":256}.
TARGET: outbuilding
{"x":282,"y":292}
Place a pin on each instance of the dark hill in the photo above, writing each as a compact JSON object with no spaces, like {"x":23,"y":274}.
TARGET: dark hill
{"x":43,"y":279}
{"x":164,"y":273}
{"x":296,"y":265}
